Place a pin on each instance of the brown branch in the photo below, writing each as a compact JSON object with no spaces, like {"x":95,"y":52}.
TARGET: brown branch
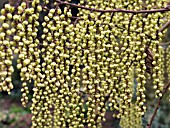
{"x":121,"y":10}
{"x":163,"y":44}
{"x":158,"y":105}
{"x":114,"y":10}
{"x":165,"y":26}
{"x":27,"y":2}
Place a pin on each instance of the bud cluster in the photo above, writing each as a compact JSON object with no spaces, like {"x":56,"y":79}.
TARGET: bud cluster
{"x":79,"y":64}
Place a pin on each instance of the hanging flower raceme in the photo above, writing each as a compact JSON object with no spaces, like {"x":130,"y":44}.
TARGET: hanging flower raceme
{"x":82,"y":63}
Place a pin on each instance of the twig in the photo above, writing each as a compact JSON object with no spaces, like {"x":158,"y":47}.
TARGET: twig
{"x":27,"y":2}
{"x":131,"y":18}
{"x":44,"y":7}
{"x":158,"y":105}
{"x":165,"y":26}
{"x":115,"y":10}
{"x":121,"y":10}
{"x":163,"y":44}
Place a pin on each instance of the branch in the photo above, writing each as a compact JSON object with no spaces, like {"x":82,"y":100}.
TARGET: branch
{"x":114,"y":10}
{"x":121,"y":10}
{"x":163,"y":44}
{"x":165,"y":26}
{"x":27,"y":2}
{"x":158,"y":105}
{"x":131,"y":18}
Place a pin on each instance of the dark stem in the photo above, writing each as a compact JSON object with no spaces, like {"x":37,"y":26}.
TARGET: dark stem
{"x":158,"y":105}
{"x":131,"y":18}
{"x":27,"y":3}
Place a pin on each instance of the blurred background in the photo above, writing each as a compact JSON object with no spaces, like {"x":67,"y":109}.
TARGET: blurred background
{"x":13,"y":115}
